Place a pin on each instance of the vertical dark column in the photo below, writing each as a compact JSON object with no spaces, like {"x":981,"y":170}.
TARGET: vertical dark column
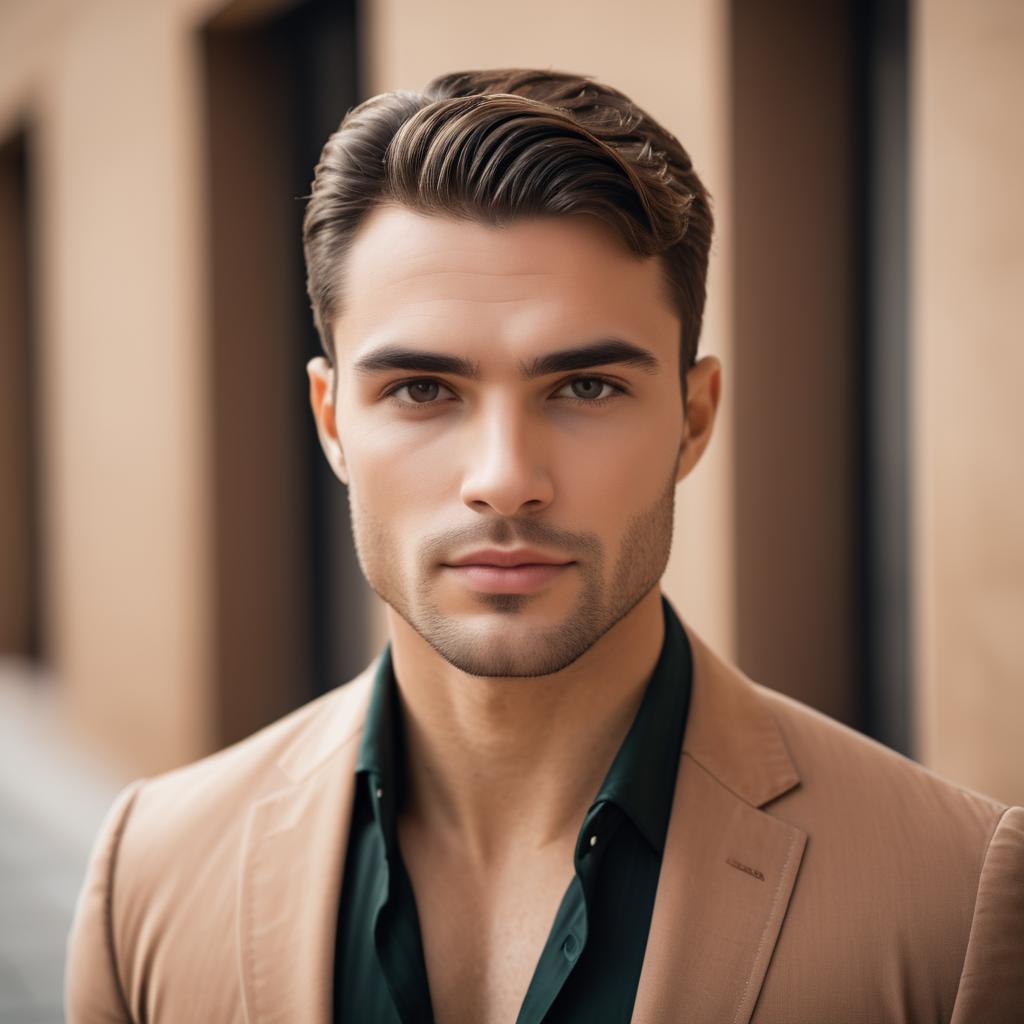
{"x":20,"y":604}
{"x":821,"y":375}
{"x":884,"y":407}
{"x":320,"y":38}
{"x":796,"y":374}
{"x":260,"y":496}
{"x":276,"y":86}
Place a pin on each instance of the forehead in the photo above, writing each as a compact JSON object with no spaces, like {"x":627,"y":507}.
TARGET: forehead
{"x":437,"y":276}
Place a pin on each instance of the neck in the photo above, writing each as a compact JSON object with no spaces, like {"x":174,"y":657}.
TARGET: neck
{"x":498,"y":764}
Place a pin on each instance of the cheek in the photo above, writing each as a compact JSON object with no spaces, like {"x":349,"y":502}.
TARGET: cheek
{"x":381,"y":456}
{"x":618,"y":468}
{"x":396,"y":482}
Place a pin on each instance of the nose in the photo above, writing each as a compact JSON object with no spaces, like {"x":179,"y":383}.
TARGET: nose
{"x":505,"y":464}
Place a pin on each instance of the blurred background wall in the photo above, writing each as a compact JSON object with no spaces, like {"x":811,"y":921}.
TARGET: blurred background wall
{"x":176,"y":564}
{"x":968,"y":343}
{"x":176,"y":558}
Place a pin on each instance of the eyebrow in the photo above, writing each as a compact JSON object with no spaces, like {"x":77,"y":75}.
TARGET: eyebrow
{"x":604,"y":352}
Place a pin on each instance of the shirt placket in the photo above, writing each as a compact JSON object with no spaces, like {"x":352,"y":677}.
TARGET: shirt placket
{"x":567,"y":940}
{"x":395,"y":931}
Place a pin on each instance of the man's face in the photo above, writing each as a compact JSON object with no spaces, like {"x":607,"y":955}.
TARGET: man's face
{"x":439,"y":465}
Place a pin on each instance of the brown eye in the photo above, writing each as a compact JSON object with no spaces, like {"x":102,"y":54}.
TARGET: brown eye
{"x":423,"y":389}
{"x":422,"y":392}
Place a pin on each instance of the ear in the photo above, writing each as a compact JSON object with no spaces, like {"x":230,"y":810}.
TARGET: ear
{"x":321,"y":399}
{"x":703,"y":388}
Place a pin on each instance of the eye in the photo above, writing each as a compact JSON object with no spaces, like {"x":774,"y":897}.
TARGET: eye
{"x":592,"y":388}
{"x":421,"y":391}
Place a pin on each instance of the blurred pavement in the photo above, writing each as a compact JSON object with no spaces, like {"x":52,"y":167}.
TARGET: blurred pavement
{"x":53,"y":796}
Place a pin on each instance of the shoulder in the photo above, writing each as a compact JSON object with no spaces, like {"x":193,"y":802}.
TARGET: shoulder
{"x":823,"y":776}
{"x":872,"y":781}
{"x":888,"y":840}
{"x":905,"y":874}
{"x":164,"y":827}
{"x":167,"y":858}
{"x":218,"y":790}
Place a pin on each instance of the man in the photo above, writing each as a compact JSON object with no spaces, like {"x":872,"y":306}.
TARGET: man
{"x":547,"y":799}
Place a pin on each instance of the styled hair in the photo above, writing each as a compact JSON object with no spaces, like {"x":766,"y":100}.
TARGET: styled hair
{"x":498,"y":145}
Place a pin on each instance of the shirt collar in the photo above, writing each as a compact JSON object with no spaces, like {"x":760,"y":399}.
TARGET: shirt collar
{"x":641,"y":780}
{"x":642,"y":777}
{"x":377,"y":749}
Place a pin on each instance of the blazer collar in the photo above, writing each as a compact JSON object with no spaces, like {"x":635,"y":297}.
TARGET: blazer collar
{"x":732,"y":733}
{"x":727,"y":873}
{"x":729,"y":867}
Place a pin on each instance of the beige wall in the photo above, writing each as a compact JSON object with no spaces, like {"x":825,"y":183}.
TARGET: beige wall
{"x":670,"y":58}
{"x":968,"y":376}
{"x":110,"y":87}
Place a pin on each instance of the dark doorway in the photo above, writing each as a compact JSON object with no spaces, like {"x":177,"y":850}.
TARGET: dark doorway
{"x":20,"y":568}
{"x":820,"y":392}
{"x":291,"y":604}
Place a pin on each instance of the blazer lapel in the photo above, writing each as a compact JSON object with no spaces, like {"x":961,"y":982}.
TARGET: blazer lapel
{"x":293,"y":858}
{"x":729,"y":868}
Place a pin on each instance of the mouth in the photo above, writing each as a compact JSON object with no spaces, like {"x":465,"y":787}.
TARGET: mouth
{"x":509,"y":579}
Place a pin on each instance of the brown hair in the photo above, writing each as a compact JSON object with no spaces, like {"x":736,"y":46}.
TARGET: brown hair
{"x":497,"y":145}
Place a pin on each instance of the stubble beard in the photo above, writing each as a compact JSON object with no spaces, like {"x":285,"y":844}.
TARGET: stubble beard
{"x":505,"y":651}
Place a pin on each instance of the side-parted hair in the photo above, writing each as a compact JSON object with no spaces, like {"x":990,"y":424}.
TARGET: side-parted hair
{"x":498,"y":145}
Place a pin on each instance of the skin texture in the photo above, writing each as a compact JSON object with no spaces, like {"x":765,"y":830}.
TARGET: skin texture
{"x":514,"y":704}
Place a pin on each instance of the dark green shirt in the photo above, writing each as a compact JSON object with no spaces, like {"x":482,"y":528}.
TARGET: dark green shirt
{"x":590,"y":966}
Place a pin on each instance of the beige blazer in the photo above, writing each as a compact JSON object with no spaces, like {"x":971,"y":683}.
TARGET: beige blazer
{"x":810,"y":876}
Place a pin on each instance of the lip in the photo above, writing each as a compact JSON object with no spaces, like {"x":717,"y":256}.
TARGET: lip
{"x":508,"y":559}
{"x":522,"y":579}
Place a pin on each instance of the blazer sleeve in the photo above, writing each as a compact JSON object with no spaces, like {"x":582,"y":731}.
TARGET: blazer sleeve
{"x":93,"y":993}
{"x":992,"y":981}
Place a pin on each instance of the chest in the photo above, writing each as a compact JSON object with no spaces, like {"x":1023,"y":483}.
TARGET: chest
{"x":483,"y":935}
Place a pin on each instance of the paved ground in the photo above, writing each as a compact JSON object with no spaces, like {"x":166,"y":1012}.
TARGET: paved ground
{"x":52,"y":799}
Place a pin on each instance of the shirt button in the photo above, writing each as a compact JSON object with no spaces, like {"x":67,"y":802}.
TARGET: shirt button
{"x":571,"y":948}
{"x":593,"y":840}
{"x":380,"y":792}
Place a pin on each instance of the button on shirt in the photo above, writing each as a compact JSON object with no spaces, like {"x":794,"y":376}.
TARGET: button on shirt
{"x":589,"y":968}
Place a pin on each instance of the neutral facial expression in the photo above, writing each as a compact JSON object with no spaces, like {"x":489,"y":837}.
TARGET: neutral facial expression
{"x":503,"y":388}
